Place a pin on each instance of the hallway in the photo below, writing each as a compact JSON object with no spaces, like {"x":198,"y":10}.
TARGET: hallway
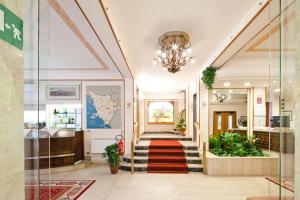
{"x":149,"y":100}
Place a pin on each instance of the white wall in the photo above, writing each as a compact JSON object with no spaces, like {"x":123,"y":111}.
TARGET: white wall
{"x":297,"y":105}
{"x":129,"y":114}
{"x":204,"y":108}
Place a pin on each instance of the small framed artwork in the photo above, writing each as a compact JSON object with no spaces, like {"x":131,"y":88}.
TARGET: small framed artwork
{"x":62,"y":92}
{"x":287,"y":113}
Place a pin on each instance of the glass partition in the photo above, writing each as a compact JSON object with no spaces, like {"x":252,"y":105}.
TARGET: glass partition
{"x":264,"y":65}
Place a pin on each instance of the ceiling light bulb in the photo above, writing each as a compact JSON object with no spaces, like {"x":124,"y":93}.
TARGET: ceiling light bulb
{"x":155,"y":62}
{"x":189,"y":50}
{"x":174,"y":46}
{"x":159,"y":52}
{"x":192,"y":61}
{"x":226,"y":84}
{"x":277,"y":90}
{"x":247,"y":84}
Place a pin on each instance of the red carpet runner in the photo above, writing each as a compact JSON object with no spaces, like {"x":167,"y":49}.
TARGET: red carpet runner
{"x":166,"y":156}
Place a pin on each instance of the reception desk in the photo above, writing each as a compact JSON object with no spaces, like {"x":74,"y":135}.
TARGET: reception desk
{"x":271,"y":138}
{"x":58,"y":149}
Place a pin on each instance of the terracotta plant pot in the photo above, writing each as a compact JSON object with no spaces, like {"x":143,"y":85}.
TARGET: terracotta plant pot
{"x":114,"y":170}
{"x":182,"y":132}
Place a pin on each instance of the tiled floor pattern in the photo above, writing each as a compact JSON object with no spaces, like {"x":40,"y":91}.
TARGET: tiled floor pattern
{"x":143,"y":186}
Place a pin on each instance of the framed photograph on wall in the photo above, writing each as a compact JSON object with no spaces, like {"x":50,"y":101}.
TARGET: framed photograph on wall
{"x":62,"y":92}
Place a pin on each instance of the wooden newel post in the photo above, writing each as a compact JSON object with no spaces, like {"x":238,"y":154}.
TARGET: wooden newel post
{"x":204,"y":158}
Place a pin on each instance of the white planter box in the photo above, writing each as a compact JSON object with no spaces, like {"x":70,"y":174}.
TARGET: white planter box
{"x":241,"y":166}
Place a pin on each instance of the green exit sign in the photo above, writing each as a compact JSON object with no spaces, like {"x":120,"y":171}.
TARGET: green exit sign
{"x":11,"y":27}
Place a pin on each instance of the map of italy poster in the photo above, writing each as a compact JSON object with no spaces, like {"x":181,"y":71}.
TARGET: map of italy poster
{"x":103,"y":107}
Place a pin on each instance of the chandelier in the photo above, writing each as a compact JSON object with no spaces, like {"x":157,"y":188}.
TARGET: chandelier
{"x":174,"y":51}
{"x":221,"y":97}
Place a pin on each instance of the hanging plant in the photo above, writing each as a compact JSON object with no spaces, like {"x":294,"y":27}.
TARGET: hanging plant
{"x":208,"y":77}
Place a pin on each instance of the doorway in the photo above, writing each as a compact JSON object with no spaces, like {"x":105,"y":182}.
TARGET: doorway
{"x":223,"y":121}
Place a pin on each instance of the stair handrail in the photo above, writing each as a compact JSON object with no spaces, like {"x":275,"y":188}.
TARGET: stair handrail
{"x":133,"y":142}
{"x":200,"y":136}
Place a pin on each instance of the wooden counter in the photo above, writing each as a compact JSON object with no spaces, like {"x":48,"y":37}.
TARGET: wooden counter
{"x":66,"y":148}
{"x":272,"y":137}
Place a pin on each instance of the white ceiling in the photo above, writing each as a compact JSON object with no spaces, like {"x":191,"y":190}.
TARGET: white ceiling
{"x":255,"y":63}
{"x":139,"y":23}
{"x":69,"y":46}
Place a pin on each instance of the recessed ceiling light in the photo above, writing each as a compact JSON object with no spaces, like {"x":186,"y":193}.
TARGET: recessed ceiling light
{"x":247,"y":84}
{"x":226,"y":84}
{"x":277,"y":90}
{"x":230,"y":91}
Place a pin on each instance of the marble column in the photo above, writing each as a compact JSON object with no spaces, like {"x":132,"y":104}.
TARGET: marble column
{"x":11,"y":116}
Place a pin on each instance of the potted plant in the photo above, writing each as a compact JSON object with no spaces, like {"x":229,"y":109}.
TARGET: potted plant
{"x":181,"y":126}
{"x":112,"y":157}
{"x":208,"y":77}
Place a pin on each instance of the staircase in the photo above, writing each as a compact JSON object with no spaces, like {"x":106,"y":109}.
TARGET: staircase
{"x":164,"y":152}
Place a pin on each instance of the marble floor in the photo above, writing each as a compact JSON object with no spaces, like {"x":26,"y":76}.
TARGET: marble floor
{"x":143,"y":186}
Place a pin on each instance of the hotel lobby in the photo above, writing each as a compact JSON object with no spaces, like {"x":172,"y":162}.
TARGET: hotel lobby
{"x":136,"y":99}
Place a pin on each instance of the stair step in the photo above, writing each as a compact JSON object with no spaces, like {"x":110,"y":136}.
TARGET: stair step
{"x":144,"y":159}
{"x":168,"y":159}
{"x":191,"y":153}
{"x":164,"y":132}
{"x":145,"y":147}
{"x":169,"y":152}
{"x":166,"y":138}
{"x":167,"y":167}
{"x":143,"y":167}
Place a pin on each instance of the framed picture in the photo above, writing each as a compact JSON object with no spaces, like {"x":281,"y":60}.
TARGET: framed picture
{"x":103,"y":105}
{"x":287,"y":113}
{"x":160,"y":112}
{"x":63,"y":92}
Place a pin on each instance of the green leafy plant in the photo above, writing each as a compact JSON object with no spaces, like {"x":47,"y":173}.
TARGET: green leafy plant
{"x":208,"y":77}
{"x":233,"y":144}
{"x":112,"y":155}
{"x":180,"y":125}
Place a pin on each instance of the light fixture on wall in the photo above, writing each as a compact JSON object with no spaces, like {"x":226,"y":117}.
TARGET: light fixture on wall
{"x":221,"y":97}
{"x":174,"y":51}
